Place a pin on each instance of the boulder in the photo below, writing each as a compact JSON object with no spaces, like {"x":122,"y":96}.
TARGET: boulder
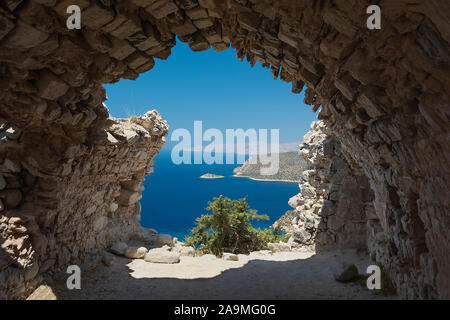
{"x":349,"y":273}
{"x":164,"y":239}
{"x":144,"y":234}
{"x":119,"y":248}
{"x":108,"y":259}
{"x":279,"y":247}
{"x":162,"y":256}
{"x":230,"y":257}
{"x":301,"y":235}
{"x":187,"y":251}
{"x":135,"y":252}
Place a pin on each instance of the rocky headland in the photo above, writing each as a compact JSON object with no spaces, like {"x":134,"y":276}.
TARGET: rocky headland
{"x":291,"y":167}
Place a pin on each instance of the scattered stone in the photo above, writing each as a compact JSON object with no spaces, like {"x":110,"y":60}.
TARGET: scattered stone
{"x":164,"y":239}
{"x":279,"y":247}
{"x":230,"y":257}
{"x":349,"y":273}
{"x":135,"y":253}
{"x":119,"y":248}
{"x":108,"y":259}
{"x":162,"y":256}
{"x":187,"y":251}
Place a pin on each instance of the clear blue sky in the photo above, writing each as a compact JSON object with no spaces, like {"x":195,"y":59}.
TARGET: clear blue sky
{"x":216,"y":88}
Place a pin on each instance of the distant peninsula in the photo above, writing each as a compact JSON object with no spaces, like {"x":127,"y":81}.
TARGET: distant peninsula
{"x":292,"y":166}
{"x":211,"y":176}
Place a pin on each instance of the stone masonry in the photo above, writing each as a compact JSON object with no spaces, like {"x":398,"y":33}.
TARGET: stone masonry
{"x":332,"y":208}
{"x":55,"y":218}
{"x":383,"y":94}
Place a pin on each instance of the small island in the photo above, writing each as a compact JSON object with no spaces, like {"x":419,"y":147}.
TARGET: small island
{"x":211,"y":176}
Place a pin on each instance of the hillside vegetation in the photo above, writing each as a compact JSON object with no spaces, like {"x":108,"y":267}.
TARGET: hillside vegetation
{"x":291,"y":167}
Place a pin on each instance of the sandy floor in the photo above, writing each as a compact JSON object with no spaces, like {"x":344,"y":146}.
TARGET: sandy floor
{"x":280,"y":276}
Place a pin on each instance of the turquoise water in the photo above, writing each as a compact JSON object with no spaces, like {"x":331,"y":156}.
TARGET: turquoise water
{"x":175,"y":195}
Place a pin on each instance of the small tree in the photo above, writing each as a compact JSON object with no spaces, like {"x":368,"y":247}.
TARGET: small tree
{"x":228,"y":229}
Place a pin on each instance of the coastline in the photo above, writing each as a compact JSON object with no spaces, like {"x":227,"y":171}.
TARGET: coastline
{"x":267,"y":180}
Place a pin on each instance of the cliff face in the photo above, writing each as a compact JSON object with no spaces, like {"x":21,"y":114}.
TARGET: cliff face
{"x":384,"y":97}
{"x":334,"y":202}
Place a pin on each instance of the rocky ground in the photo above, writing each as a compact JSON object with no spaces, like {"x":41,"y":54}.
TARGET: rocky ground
{"x":268,"y":274}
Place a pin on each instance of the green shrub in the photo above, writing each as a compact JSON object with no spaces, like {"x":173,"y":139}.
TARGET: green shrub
{"x":229,"y":229}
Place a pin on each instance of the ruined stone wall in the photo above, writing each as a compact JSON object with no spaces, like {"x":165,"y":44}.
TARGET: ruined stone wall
{"x":384,"y":96}
{"x":50,"y":220}
{"x":334,"y":202}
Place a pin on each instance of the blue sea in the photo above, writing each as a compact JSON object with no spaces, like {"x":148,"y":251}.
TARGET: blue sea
{"x":175,"y":195}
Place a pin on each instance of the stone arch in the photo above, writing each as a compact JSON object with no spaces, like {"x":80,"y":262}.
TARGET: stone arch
{"x":69,"y":173}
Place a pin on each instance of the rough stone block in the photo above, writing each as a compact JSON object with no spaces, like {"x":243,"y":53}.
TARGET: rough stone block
{"x":136,"y":60}
{"x":199,"y":44}
{"x":143,"y":3}
{"x":373,"y":109}
{"x":12,"y":4}
{"x":49,"y":86}
{"x":288,"y":35}
{"x":230,"y":257}
{"x":164,"y":239}
{"x":184,"y":29}
{"x":197,"y":13}
{"x":127,"y":197}
{"x":24,"y":36}
{"x":119,"y":248}
{"x":343,"y":84}
{"x":97,"y":41}
{"x":249,"y":21}
{"x":131,"y":26}
{"x":309,"y":78}
{"x":213,"y":34}
{"x":120,"y":49}
{"x":146,"y":67}
{"x":162,"y":256}
{"x":338,"y":20}
{"x":204,"y":23}
{"x":161,"y":8}
{"x":220,"y":46}
{"x":186,"y":4}
{"x":96,"y":16}
{"x":210,"y":4}
{"x":114,"y":24}
{"x":135,"y":253}
{"x":152,"y":38}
